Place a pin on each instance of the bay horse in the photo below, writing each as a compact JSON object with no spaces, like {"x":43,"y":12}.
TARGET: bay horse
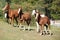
{"x":41,"y":21}
{"x":11,"y":14}
{"x":25,"y":17}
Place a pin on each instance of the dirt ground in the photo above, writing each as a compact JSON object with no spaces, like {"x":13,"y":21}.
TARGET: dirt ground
{"x":8,"y":32}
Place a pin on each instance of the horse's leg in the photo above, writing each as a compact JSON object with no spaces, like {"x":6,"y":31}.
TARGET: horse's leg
{"x":12,"y":21}
{"x":16,"y":19}
{"x":37,"y":26}
{"x":20,"y":23}
{"x":28,"y":23}
{"x":46,"y":28}
{"x":23,"y":25}
{"x":6,"y":20}
{"x":49,"y":30}
{"x":9,"y":20}
{"x":6,"y":17}
{"x":41,"y":29}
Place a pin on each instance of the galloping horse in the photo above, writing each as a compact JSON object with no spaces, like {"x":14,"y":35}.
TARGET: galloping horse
{"x":42,"y":21}
{"x":25,"y":17}
{"x":11,"y":14}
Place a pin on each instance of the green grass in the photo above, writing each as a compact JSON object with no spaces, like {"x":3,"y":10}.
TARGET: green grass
{"x":8,"y":32}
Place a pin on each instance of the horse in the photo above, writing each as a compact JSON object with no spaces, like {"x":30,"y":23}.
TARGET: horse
{"x":41,"y":21}
{"x":25,"y":17}
{"x":11,"y":14}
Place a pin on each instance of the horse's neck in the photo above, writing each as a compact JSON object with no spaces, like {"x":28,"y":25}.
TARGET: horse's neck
{"x":8,"y":7}
{"x":38,"y":18}
{"x":20,"y":13}
{"x":8,"y":11}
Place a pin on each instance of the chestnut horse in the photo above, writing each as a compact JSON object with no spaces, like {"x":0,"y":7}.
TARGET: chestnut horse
{"x":11,"y":14}
{"x":25,"y":17}
{"x":42,"y":21}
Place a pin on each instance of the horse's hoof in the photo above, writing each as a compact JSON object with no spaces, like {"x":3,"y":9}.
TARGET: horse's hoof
{"x":40,"y":34}
{"x":17,"y":25}
{"x":14,"y":26}
{"x":38,"y":31}
{"x":44,"y":33}
{"x":51,"y":33}
{"x":28,"y":29}
{"x":48,"y":33}
{"x":22,"y":26}
{"x":24,"y":30}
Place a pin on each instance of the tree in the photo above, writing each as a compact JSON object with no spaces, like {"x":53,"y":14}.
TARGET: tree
{"x":47,"y":5}
{"x":8,"y":1}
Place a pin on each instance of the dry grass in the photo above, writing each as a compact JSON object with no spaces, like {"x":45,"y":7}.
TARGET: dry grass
{"x":7,"y":32}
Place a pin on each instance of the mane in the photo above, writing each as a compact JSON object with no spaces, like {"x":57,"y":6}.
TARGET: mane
{"x":8,"y":6}
{"x":20,"y":13}
{"x":38,"y":18}
{"x":7,"y":10}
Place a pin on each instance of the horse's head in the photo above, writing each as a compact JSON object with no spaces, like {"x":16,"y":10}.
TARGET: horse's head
{"x":7,"y":6}
{"x":20,"y":10}
{"x":33,"y":12}
{"x":36,"y":13}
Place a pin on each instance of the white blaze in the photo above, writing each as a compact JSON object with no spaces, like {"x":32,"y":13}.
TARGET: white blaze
{"x":18,"y":10}
{"x":33,"y":12}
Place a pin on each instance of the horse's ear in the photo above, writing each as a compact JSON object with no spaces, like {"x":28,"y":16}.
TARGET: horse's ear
{"x":37,"y":11}
{"x":20,"y":6}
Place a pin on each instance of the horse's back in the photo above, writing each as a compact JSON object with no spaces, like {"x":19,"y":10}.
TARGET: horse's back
{"x":13,"y":13}
{"x":27,"y":15}
{"x":44,"y":20}
{"x":16,"y":14}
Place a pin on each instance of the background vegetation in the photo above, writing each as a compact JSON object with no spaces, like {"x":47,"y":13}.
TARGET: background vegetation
{"x":51,"y":8}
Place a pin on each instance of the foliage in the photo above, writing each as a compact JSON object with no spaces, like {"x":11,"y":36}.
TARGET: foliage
{"x":29,"y":5}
